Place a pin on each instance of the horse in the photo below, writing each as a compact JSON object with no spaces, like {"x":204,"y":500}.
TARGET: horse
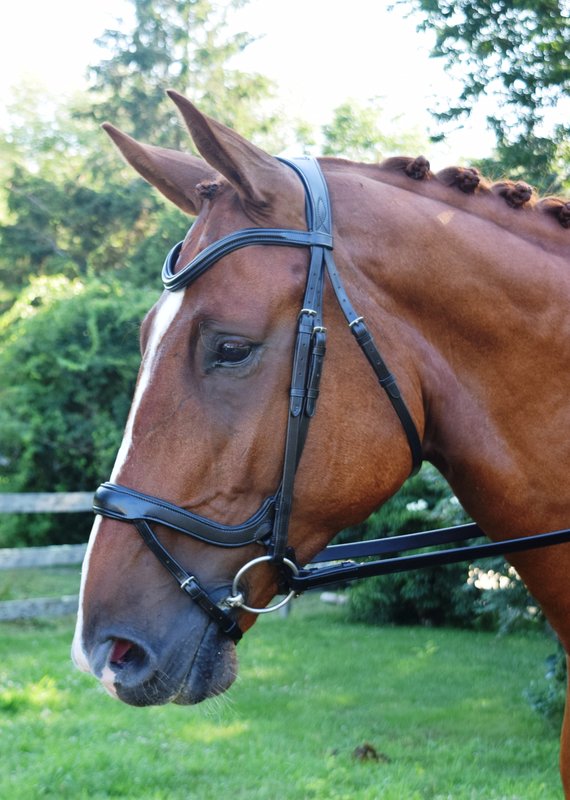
{"x":246,"y":450}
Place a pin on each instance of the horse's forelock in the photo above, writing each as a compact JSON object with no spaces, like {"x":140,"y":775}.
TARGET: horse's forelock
{"x":208,"y":189}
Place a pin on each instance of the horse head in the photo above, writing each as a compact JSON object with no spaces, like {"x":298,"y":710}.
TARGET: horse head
{"x":208,"y":432}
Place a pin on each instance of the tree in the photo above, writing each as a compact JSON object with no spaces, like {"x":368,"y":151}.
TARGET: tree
{"x":518,"y":52}
{"x":70,"y":207}
{"x":359,"y":133}
{"x":178,"y":44}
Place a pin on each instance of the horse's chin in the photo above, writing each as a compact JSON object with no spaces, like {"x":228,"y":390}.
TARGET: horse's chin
{"x":211,"y":672}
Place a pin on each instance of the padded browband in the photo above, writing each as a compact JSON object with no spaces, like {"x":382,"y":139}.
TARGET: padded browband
{"x":127,"y":505}
{"x":234,"y":241}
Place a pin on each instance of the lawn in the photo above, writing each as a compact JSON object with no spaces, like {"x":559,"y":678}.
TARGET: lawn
{"x":442,"y":711}
{"x":17,"y":584}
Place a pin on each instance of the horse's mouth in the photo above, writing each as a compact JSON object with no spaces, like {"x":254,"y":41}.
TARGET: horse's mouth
{"x":212,"y":671}
{"x":143,"y":680}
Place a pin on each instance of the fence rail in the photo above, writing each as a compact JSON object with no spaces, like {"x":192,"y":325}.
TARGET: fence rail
{"x":44,"y":502}
{"x":56,"y":555}
{"x":35,"y":607}
{"x":32,"y":557}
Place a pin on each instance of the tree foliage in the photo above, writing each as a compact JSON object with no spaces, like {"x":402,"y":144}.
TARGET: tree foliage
{"x":436,"y":596}
{"x":547,"y":695}
{"x":72,"y":208}
{"x":360,"y":133}
{"x":518,"y":52}
{"x":183,"y":45}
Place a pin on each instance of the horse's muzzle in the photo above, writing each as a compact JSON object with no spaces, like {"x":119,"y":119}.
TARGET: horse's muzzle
{"x":190,"y":667}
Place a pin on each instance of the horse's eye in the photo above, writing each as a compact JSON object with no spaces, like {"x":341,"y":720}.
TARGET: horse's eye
{"x":233,"y":351}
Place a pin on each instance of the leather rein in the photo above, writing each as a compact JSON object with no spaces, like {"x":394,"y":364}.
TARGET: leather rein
{"x":269,"y":525}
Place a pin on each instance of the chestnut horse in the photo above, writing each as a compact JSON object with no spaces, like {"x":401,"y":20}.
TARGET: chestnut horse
{"x":466,"y":285}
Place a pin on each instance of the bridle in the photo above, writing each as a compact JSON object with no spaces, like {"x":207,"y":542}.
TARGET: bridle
{"x":269,"y":525}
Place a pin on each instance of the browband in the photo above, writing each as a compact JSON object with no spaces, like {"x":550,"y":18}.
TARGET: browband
{"x":234,"y":241}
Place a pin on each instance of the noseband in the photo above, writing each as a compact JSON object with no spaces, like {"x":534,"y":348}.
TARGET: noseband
{"x":269,"y":525}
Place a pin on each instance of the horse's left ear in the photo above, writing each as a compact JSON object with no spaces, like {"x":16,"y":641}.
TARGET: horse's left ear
{"x":263,"y":183}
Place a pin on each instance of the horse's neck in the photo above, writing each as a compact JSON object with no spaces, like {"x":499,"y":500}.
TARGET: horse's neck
{"x":484,"y":315}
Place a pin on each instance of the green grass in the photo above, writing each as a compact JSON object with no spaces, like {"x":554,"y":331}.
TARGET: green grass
{"x":444,"y":710}
{"x":17,"y":584}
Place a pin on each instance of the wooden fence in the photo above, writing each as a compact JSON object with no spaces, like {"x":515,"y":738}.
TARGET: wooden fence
{"x":32,"y":557}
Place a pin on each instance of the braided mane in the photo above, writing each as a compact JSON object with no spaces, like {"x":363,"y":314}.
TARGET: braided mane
{"x":516,"y":194}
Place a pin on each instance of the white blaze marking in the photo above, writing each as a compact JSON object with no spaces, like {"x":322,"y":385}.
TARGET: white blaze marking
{"x":169,"y":307}
{"x":163,"y":319}
{"x":77,"y":652}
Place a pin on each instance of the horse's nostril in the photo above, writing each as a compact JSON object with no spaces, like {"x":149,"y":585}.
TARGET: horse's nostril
{"x":125,"y":652}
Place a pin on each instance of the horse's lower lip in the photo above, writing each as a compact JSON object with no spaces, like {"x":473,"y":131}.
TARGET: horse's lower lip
{"x":211,"y":671}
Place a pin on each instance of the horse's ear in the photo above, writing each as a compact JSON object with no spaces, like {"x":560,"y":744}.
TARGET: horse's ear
{"x":173,"y":173}
{"x":262,"y":181}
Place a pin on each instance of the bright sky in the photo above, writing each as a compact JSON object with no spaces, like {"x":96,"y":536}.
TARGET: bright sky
{"x":320,"y":53}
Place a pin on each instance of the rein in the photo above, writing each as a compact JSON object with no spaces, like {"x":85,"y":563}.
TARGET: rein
{"x":269,"y":525}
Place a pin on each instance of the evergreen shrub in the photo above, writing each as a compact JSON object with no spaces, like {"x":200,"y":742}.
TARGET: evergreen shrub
{"x":68,"y":364}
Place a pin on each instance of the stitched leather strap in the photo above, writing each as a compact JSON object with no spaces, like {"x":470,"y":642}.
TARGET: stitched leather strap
{"x":385,"y":378}
{"x":234,"y":241}
{"x":309,"y":350}
{"x":127,"y":505}
{"x":188,"y":583}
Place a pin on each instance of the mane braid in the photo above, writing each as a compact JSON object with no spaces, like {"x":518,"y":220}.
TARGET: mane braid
{"x":559,"y":208}
{"x":516,"y":194}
